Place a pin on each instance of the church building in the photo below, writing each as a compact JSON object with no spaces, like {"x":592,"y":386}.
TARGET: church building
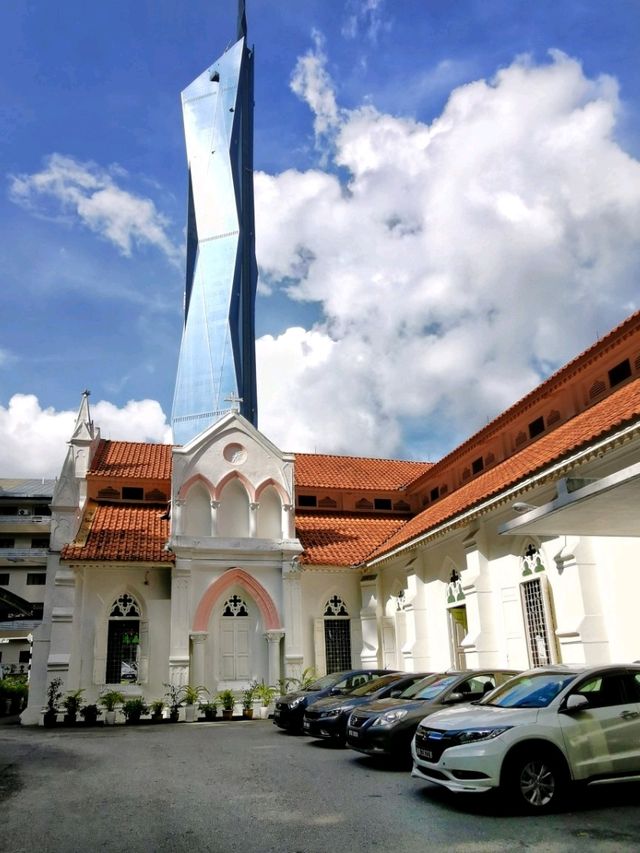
{"x":222,"y":559}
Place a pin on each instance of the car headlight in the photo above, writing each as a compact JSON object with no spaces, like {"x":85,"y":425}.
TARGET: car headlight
{"x":472,"y":735}
{"x":295,"y":702}
{"x":332,"y":712}
{"x":389,"y":718}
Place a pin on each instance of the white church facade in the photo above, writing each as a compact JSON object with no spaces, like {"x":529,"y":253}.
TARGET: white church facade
{"x":226,"y":560}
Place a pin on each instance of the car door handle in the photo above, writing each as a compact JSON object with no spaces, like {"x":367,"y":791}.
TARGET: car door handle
{"x":630,"y":715}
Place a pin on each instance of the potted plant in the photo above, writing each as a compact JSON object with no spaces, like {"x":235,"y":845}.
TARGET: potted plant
{"x":133,"y":709}
{"x":247,"y":701}
{"x":156,"y":708}
{"x":265,"y":694}
{"x":227,"y":700}
{"x":191,"y":696}
{"x":109,"y":700}
{"x":72,"y":703}
{"x":174,"y":697}
{"x":89,"y":714}
{"x":210,"y":710}
{"x":54,"y":694}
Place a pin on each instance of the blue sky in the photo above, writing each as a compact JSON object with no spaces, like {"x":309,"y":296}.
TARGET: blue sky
{"x":93,"y":206}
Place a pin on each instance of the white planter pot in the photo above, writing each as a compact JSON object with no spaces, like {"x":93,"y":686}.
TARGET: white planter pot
{"x":110,"y":718}
{"x":190,"y":713}
{"x":264,"y":712}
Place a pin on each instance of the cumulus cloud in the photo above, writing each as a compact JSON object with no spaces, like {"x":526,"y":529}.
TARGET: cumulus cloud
{"x":460,"y":262}
{"x":34,"y":439}
{"x":92,"y":195}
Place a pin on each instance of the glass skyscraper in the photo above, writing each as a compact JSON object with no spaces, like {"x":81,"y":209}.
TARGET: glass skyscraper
{"x":216,"y":368}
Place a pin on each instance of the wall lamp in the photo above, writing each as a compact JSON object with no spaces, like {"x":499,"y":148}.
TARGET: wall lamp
{"x":521,"y":507}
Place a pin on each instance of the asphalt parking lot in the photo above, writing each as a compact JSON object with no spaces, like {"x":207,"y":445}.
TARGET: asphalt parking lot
{"x":246,"y":786}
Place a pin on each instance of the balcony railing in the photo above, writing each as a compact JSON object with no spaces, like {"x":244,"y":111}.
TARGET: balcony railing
{"x":14,"y":520}
{"x":22,"y":555}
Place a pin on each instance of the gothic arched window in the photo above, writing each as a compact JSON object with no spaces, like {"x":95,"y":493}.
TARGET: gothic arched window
{"x":123,"y":642}
{"x":337,"y":635}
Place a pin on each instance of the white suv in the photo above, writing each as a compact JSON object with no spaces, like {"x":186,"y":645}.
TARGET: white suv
{"x":535,"y":734}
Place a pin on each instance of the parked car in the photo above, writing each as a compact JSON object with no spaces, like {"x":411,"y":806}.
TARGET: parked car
{"x":289,"y":710}
{"x":536,"y":734}
{"x":327,"y":718}
{"x":386,"y":727}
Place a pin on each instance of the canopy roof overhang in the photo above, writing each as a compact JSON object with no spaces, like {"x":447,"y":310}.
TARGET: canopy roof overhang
{"x":609,"y":506}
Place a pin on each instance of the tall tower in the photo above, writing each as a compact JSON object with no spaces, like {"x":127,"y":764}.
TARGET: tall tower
{"x":217,"y":364}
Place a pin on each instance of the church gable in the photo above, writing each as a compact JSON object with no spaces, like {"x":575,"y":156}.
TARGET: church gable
{"x":232,"y":483}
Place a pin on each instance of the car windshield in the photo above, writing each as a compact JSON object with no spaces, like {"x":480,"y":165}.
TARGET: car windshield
{"x":534,"y":690}
{"x":326,"y":681}
{"x":374,"y":685}
{"x":434,"y":683}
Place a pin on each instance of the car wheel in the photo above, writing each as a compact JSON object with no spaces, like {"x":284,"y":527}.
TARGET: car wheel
{"x":535,"y":780}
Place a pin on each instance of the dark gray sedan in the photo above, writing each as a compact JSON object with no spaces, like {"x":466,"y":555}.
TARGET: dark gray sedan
{"x":327,"y":718}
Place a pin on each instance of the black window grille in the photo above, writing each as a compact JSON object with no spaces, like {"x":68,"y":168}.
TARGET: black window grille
{"x":122,"y":651}
{"x":536,"y":623}
{"x":337,"y":640}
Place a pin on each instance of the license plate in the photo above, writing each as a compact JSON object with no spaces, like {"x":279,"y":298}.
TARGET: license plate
{"x":306,"y":725}
{"x":353,"y":733}
{"x":276,"y":715}
{"x":424,"y":753}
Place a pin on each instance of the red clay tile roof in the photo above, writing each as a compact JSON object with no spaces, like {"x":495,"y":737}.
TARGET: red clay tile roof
{"x":132,"y":460}
{"x":619,"y":409}
{"x":627,"y":327}
{"x":121,"y":532}
{"x":342,"y":539}
{"x":318,"y":470}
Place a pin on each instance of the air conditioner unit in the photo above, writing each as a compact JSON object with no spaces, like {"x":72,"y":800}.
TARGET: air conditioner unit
{"x":23,"y":511}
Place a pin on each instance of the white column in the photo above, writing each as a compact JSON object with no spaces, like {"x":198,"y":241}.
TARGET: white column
{"x":179,"y":644}
{"x":215,"y":505}
{"x":273,"y":641}
{"x":176,"y":517}
{"x":480,"y":645}
{"x":292,"y":618}
{"x":196,"y":674}
{"x":287,"y":526}
{"x":253,"y":519}
{"x":369,"y":621}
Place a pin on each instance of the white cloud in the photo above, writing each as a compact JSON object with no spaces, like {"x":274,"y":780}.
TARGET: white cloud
{"x":462,"y":260}
{"x":34,"y":439}
{"x":90,"y":194}
{"x":364,"y":17}
{"x":312,"y":83}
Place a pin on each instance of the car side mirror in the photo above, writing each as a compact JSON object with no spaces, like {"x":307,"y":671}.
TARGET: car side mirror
{"x":337,"y":691}
{"x":452,"y":698}
{"x":576,"y":702}
{"x":395,"y":693}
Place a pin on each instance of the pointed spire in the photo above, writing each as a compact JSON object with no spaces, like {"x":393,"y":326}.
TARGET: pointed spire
{"x":84,"y":425}
{"x":242,"y":20}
